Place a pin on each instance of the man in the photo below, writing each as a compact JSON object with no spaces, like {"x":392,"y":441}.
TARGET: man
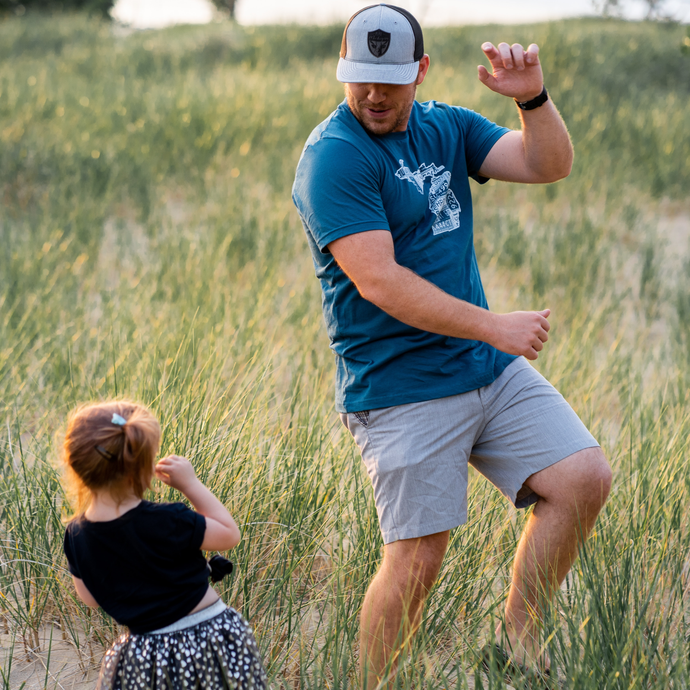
{"x":427,"y":379}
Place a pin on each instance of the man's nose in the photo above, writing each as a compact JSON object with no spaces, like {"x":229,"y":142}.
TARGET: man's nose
{"x":376,"y":93}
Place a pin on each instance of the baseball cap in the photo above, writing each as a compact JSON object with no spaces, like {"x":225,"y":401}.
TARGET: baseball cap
{"x":382,"y":44}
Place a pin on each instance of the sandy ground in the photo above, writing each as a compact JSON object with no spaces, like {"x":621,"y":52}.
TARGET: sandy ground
{"x":54,"y":666}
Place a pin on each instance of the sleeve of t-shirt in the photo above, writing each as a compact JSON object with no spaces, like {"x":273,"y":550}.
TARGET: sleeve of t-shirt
{"x":69,"y":553}
{"x":186,"y":528}
{"x":480,"y":135}
{"x":337,"y":192}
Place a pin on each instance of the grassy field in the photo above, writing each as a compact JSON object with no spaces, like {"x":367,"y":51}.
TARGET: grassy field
{"x":150,"y":249}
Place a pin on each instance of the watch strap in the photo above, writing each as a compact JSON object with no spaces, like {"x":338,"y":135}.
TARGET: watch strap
{"x":535,"y":102}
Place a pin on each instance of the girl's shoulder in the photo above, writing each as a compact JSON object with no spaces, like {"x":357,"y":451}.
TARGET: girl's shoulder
{"x":75,"y":525}
{"x":168,"y":514}
{"x":174,"y":524}
{"x":145,"y":511}
{"x":149,"y":507}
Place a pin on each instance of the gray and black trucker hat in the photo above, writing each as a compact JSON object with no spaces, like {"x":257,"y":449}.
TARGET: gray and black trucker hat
{"x":382,"y":44}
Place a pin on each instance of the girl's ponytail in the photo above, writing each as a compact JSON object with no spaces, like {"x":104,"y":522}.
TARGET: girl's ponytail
{"x":140,"y":445}
{"x":111,"y":446}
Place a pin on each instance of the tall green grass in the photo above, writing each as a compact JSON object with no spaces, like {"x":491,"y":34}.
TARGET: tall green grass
{"x":150,"y":250}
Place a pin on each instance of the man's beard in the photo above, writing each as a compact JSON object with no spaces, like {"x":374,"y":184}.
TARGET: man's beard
{"x":402,"y":115}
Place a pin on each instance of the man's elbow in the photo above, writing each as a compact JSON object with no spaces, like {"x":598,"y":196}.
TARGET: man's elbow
{"x":556,"y":172}
{"x":556,"y":177}
{"x":379,"y":283}
{"x":566,"y":164}
{"x":565,"y":170}
{"x":375,"y":290}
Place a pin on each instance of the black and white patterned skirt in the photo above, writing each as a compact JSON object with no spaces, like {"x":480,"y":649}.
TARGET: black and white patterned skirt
{"x":212,"y":649}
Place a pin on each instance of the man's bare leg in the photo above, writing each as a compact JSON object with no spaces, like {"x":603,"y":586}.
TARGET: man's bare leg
{"x":392,"y":607}
{"x":572,"y":492}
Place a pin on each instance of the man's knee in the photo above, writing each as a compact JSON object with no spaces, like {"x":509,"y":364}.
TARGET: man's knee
{"x":595,"y":482}
{"x":411,"y":563}
{"x":582,"y":479}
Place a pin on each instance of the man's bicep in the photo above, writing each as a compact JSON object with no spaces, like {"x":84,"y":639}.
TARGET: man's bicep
{"x":364,"y":255}
{"x":337,"y":193}
{"x":506,"y":160}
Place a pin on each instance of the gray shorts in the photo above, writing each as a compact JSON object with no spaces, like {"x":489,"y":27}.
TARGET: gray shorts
{"x":416,"y":455}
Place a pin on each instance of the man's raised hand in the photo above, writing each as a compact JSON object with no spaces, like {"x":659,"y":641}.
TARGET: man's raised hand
{"x":516,"y":72}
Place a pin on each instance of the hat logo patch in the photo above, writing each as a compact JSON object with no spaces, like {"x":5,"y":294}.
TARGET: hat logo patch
{"x":379,"y":41}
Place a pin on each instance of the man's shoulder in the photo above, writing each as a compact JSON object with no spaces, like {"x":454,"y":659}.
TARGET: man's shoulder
{"x":340,"y":127}
{"x":338,"y":144}
{"x":438,"y":110}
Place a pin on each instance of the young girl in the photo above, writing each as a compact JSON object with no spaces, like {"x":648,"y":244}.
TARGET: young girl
{"x":142,"y":562}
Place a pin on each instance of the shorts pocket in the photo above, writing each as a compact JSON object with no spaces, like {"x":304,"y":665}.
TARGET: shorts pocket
{"x":362,"y":417}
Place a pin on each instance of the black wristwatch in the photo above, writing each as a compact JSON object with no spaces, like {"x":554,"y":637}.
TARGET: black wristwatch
{"x":535,"y":102}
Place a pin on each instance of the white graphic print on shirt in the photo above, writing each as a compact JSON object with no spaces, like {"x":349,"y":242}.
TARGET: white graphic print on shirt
{"x":442,"y":202}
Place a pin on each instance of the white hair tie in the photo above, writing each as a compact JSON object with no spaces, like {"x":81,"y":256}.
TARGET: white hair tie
{"x":119,"y":421}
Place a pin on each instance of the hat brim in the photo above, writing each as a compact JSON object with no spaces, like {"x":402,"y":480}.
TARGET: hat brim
{"x":351,"y":72}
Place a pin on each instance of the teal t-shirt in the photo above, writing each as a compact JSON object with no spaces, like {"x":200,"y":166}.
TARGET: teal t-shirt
{"x":414,"y":184}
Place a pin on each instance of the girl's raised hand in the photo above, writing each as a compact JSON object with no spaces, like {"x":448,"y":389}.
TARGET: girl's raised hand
{"x":176,"y":471}
{"x":222,"y":532}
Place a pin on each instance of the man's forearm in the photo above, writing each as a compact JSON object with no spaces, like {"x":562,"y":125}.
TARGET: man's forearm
{"x":409,"y":298}
{"x":419,"y":303}
{"x":368,"y":258}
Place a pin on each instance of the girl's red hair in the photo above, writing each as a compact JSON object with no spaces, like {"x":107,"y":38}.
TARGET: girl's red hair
{"x":99,"y":454}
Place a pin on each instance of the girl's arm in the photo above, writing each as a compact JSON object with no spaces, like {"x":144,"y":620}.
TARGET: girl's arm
{"x":84,"y":593}
{"x":222,"y":533}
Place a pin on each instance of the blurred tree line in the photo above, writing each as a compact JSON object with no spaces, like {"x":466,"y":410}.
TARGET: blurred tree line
{"x":655,"y":8}
{"x":101,"y":7}
{"x":226,"y":6}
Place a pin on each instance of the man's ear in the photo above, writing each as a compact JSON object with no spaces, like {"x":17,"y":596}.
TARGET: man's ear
{"x":423,"y":69}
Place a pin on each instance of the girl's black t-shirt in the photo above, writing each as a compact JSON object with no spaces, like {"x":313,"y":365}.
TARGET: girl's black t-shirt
{"x":145,"y":568}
